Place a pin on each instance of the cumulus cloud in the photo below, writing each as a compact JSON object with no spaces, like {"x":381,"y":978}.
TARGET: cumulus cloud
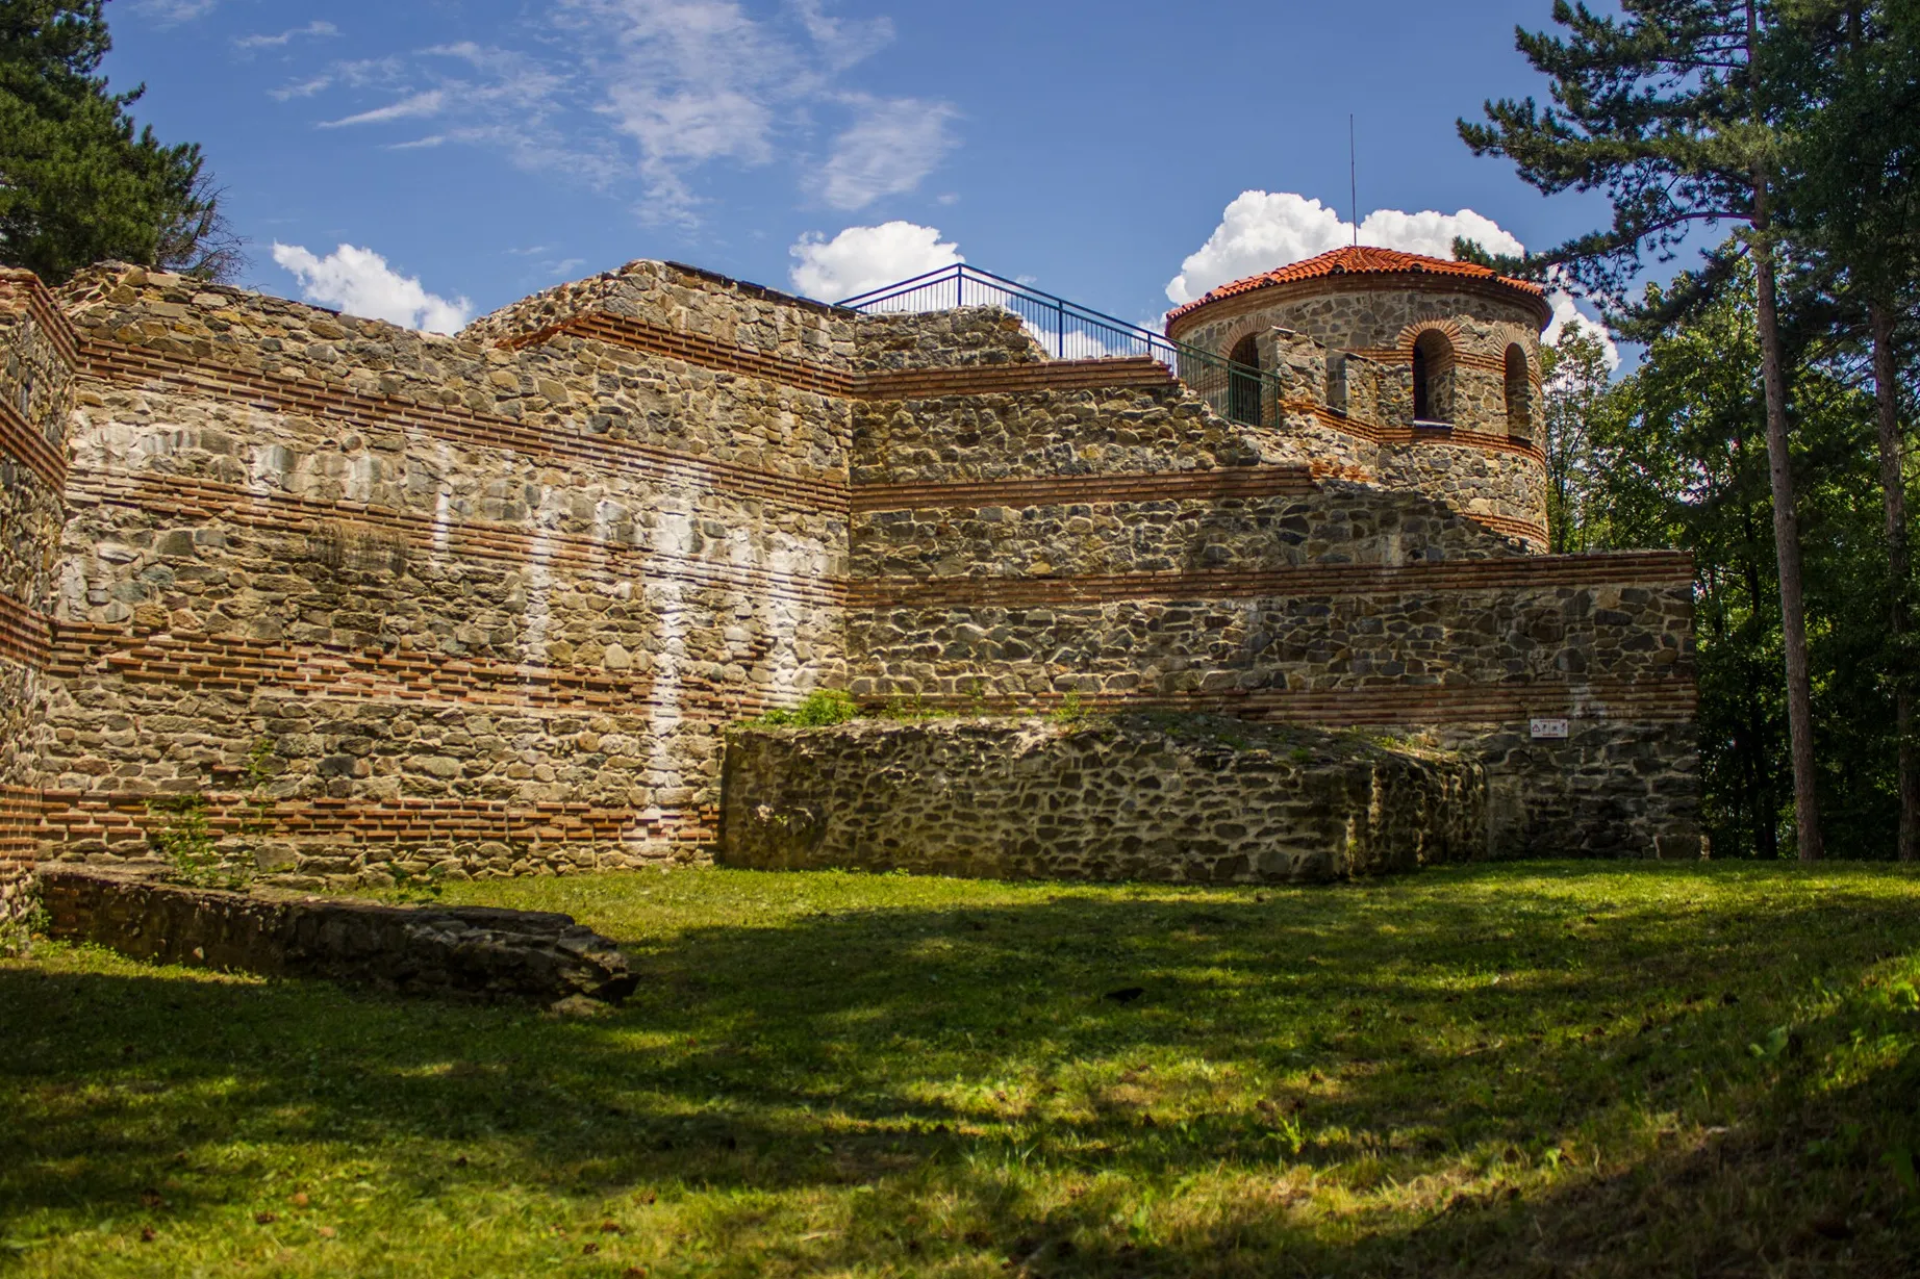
{"x":1566,"y":314}
{"x":360,"y":282}
{"x":889,"y":149}
{"x":865,"y":257}
{"x":1264,"y":230}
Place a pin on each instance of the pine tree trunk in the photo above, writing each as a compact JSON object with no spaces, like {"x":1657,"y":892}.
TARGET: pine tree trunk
{"x":1886,"y":394}
{"x":1786,"y":540}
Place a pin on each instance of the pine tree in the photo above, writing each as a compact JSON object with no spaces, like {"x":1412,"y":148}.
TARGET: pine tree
{"x":1663,"y":109}
{"x":77,"y":183}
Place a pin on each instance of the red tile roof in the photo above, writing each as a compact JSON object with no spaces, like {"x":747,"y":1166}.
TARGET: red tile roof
{"x":1357,"y":261}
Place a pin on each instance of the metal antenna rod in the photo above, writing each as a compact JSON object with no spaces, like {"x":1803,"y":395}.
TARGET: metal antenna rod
{"x":1353,"y":178}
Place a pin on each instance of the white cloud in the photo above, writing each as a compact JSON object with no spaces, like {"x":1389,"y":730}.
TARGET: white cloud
{"x":890,"y":148}
{"x":359,"y":282}
{"x":1566,"y":313}
{"x":420,"y":104}
{"x":301,"y":88}
{"x":651,"y":91}
{"x":865,"y":257}
{"x":1263,"y":231}
{"x":170,"y":11}
{"x":316,"y":29}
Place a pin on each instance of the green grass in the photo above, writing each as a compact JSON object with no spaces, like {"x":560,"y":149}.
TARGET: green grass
{"x":1567,"y":1069}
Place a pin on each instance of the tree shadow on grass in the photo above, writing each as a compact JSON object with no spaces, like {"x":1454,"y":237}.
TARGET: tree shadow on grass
{"x":1356,"y":1082}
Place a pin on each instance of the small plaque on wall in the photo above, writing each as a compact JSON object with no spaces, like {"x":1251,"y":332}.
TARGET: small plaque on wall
{"x":1548,"y":727}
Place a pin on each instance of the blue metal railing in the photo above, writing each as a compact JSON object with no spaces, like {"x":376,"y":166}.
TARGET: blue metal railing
{"x":1069,"y":331}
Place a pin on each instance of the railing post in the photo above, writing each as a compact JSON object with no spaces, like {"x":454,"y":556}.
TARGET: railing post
{"x":1060,"y":348}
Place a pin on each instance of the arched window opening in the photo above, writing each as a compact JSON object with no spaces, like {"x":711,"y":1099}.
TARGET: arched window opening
{"x":1243,"y":382}
{"x":1432,"y":378}
{"x":1519,"y":394}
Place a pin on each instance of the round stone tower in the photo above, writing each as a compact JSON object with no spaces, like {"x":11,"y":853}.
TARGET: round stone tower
{"x":1409,"y":371}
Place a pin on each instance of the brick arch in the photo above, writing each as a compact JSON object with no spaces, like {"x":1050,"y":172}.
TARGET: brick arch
{"x":1446,"y":326}
{"x":1506,"y":333}
{"x":1245,"y":327}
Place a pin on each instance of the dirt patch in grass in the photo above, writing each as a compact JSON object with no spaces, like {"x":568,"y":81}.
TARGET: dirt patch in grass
{"x":1525,"y":1070}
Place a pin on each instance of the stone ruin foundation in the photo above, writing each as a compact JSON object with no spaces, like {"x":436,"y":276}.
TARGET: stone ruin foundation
{"x":1206,"y":800}
{"x":471,"y":952}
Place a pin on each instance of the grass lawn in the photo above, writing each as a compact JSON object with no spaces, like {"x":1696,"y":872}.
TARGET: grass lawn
{"x":1545,"y":1069}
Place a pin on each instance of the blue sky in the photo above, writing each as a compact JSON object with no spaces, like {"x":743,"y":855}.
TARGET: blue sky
{"x":469,"y":152}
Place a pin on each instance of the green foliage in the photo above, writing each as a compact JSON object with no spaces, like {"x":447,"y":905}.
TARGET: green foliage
{"x":1679,"y":459}
{"x":184,"y":840}
{"x":1446,"y":1075}
{"x":1845,"y":70}
{"x":1071,"y":709}
{"x":822,"y":708}
{"x":416,"y":889}
{"x":1575,"y":376}
{"x":17,"y":933}
{"x":77,"y":183}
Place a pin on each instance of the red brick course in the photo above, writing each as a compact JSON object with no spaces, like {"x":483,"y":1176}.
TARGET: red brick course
{"x":31,"y":448}
{"x":1657,"y":701}
{"x":20,"y":825}
{"x":84,"y":651}
{"x":1221,"y":484}
{"x":91,"y":821}
{"x":1533,"y":572}
{"x":26,"y":636}
{"x":22,"y":291}
{"x":1012,"y":379}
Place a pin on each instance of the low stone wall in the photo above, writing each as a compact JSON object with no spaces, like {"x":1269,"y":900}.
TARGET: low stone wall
{"x":458,"y":952}
{"x":1195,"y":799}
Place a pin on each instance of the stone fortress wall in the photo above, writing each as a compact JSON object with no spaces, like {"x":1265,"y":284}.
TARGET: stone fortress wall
{"x":489,"y":602}
{"x":38,"y":356}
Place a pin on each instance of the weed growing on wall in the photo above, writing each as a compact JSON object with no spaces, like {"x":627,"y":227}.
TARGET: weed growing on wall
{"x":1071,"y":709}
{"x":415,"y":890}
{"x":185,"y":842}
{"x":822,"y":708}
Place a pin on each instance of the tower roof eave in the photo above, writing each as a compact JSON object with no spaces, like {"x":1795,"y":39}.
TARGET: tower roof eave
{"x":1365,"y":260}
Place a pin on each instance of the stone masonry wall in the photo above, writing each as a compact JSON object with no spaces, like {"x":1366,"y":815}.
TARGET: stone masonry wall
{"x":37,"y":357}
{"x":1135,"y":797}
{"x":1498,"y":482}
{"x":487,"y":603}
{"x":427,"y":601}
{"x":1127,"y":547}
